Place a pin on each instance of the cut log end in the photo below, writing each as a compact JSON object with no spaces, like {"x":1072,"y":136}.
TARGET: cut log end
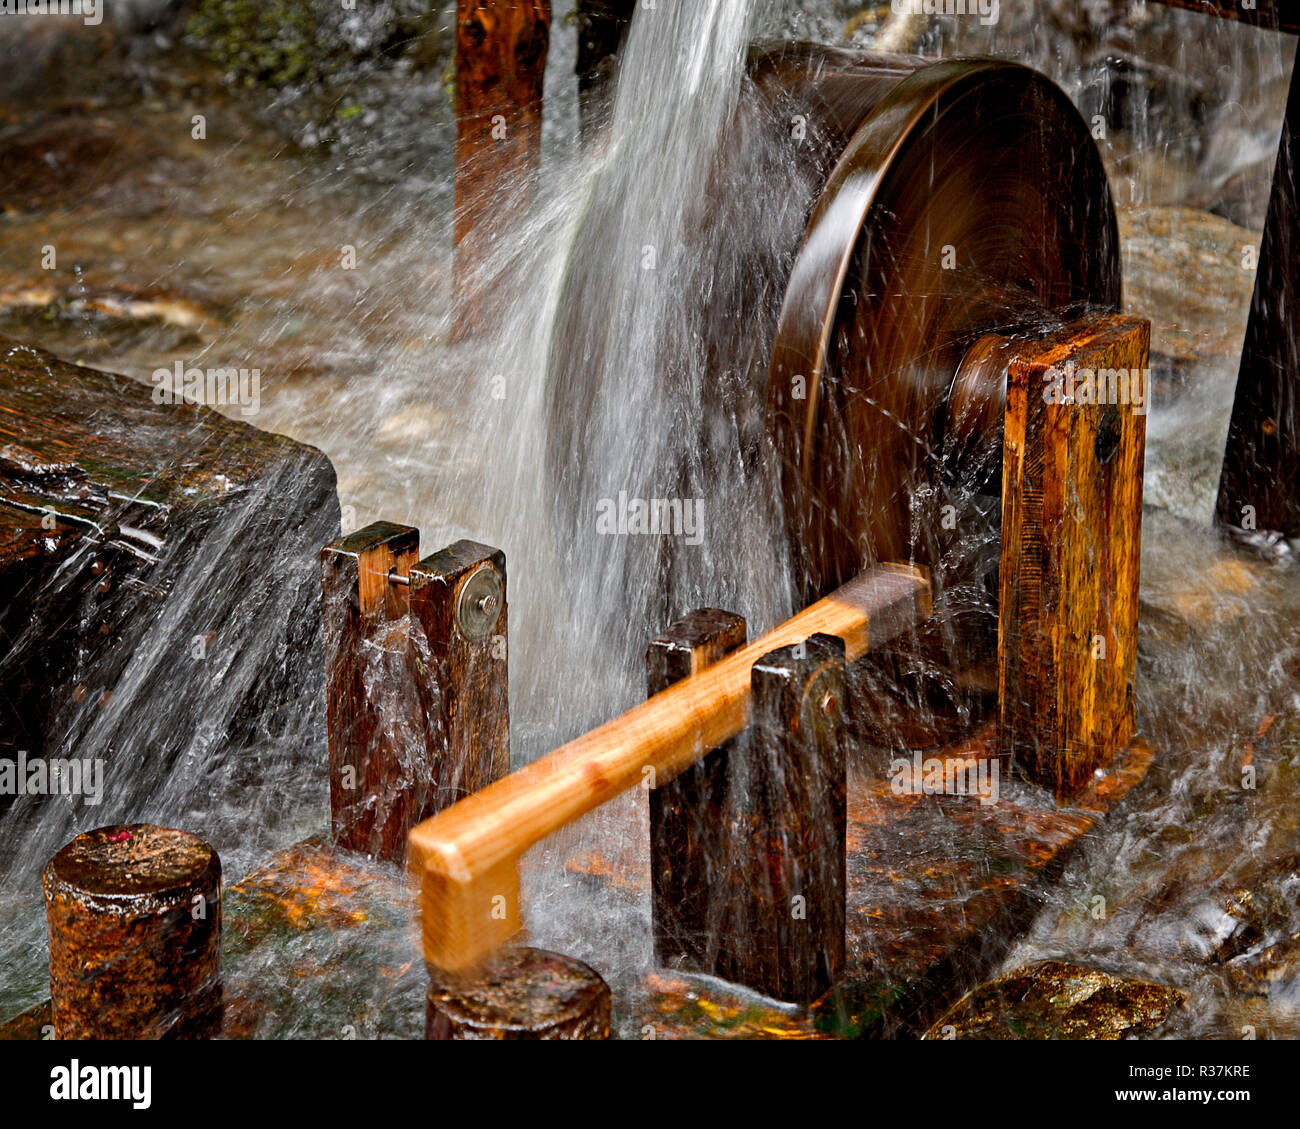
{"x":520,"y":993}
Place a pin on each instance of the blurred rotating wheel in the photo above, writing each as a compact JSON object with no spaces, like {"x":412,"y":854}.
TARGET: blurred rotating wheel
{"x":971,"y":201}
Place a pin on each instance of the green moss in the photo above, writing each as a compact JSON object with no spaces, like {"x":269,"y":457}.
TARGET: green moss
{"x":280,"y":43}
{"x":267,"y":42}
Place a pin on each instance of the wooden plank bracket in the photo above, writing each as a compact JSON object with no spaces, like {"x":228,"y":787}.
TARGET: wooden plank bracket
{"x":1073,"y":448}
{"x":416,"y":678}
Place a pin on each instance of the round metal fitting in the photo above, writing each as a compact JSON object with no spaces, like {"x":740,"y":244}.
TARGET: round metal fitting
{"x":822,"y":704}
{"x":479,"y":605}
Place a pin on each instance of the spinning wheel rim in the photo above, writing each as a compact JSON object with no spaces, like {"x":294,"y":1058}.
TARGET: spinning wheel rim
{"x":877,"y":160}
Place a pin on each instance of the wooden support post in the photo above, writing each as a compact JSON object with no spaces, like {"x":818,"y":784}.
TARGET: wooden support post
{"x":1073,"y":451}
{"x":459,"y":638}
{"x":380,"y":774}
{"x":1260,"y":485}
{"x":521,"y":993}
{"x":688,"y":834}
{"x":134,"y":915}
{"x":784,"y":880}
{"x":501,"y":48}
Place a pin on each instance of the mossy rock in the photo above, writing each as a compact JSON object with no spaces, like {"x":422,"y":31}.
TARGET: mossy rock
{"x":279,"y":43}
{"x":1054,"y":1000}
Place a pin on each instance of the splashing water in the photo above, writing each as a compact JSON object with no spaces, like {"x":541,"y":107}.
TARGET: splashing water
{"x":601,"y":380}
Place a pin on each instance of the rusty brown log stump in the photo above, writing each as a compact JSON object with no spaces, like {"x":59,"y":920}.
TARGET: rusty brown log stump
{"x":134,"y":916}
{"x":520,"y":993}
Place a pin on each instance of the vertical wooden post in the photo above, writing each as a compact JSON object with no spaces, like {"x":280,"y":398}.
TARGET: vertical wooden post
{"x":688,"y":829}
{"x":134,"y":915}
{"x":786,"y":876}
{"x":376,"y":793}
{"x":501,"y":48}
{"x":459,"y":640}
{"x":1260,"y":485}
{"x":1073,"y":450}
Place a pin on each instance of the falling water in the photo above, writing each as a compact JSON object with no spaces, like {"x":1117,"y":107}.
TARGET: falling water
{"x":601,"y":378}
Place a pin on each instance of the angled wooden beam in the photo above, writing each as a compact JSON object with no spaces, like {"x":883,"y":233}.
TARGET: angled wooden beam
{"x":1260,"y":485}
{"x":1259,"y":488}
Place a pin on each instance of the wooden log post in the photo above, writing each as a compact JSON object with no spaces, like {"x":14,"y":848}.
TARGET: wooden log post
{"x":688,"y":832}
{"x":459,"y":636}
{"x":501,"y":48}
{"x":377,"y":793}
{"x":467,"y":857}
{"x":1073,"y":448}
{"x":134,"y":915}
{"x":521,"y":993}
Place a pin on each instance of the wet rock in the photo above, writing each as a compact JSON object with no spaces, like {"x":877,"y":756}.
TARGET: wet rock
{"x":1191,"y":274}
{"x":127,"y":302}
{"x":32,"y":50}
{"x":1184,"y":269}
{"x":1219,"y":594}
{"x":1242,"y":919}
{"x":1264,"y":972}
{"x":71,"y":159}
{"x":1054,"y":1000}
{"x":1259,"y":908}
